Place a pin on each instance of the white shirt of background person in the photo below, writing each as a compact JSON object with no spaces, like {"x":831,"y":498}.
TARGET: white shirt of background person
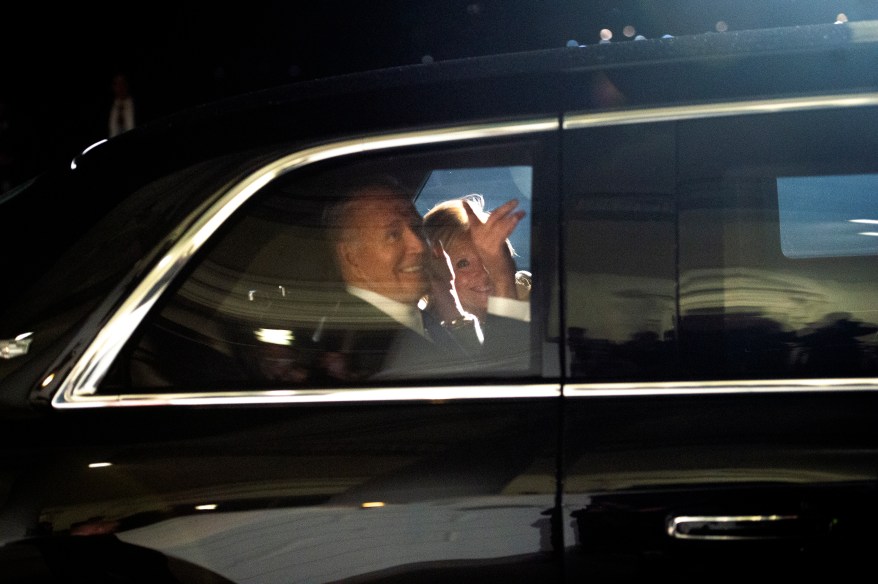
{"x":122,"y":113}
{"x":121,"y":116}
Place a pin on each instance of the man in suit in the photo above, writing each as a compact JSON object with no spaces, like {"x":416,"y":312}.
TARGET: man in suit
{"x":122,"y":115}
{"x":387,"y":267}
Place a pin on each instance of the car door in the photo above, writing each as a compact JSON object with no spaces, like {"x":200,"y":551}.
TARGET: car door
{"x":207,"y":429}
{"x":718,"y":294}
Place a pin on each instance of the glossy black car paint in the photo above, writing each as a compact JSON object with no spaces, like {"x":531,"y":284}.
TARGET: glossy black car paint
{"x":503,"y":489}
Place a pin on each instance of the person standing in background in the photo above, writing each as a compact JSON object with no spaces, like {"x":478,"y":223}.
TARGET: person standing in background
{"x":122,"y":114}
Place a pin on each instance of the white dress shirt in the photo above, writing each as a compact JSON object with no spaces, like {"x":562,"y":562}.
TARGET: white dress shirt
{"x":404,"y":314}
{"x":121,"y":116}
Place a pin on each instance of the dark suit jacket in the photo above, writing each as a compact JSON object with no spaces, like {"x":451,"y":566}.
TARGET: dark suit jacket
{"x":507,"y":347}
{"x":371,"y":345}
{"x":368,"y":344}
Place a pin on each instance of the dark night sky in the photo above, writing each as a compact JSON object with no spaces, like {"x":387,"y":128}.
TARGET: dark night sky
{"x":57,"y":60}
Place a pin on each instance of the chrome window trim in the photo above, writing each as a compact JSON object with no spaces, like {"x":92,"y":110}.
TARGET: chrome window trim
{"x":86,"y":374}
{"x":578,"y":390}
{"x":576,"y":121}
{"x":91,"y":367}
{"x":436,"y":394}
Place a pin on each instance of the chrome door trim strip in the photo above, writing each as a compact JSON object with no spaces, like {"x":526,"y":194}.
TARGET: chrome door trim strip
{"x":320,"y":396}
{"x":734,"y":527}
{"x":575,"y":121}
{"x":91,"y":367}
{"x":579,"y":390}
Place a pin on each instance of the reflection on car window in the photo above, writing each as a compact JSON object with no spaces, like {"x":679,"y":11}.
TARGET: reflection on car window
{"x":692,"y":258}
{"x":272,"y":303}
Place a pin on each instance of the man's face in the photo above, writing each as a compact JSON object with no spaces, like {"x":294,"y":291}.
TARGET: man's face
{"x":385,"y":250}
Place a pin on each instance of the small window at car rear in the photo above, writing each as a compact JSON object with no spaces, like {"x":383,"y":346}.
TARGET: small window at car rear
{"x":828,"y":216}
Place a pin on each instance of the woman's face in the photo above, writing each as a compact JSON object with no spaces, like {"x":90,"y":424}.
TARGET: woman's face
{"x":470,"y":277}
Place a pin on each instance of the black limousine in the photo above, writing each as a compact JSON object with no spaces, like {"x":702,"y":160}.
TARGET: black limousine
{"x":687,"y":385}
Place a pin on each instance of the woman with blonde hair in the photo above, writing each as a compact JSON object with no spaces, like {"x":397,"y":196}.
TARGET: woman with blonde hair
{"x":475,"y":244}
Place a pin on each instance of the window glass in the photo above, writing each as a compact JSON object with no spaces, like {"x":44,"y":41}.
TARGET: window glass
{"x":299,"y":291}
{"x":828,"y":216}
{"x":495,"y":185}
{"x":620,"y":253}
{"x":723,"y":249}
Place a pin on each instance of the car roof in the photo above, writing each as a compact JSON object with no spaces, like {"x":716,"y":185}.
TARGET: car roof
{"x":636,"y":73}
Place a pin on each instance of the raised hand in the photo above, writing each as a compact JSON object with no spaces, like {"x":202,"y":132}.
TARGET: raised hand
{"x":490,"y":237}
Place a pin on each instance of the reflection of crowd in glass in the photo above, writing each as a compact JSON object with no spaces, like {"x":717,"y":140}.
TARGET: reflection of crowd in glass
{"x":710,"y":347}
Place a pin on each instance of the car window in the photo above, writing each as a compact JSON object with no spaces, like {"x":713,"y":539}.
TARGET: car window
{"x":828,"y":216}
{"x":266,"y":305}
{"x":494,"y":185}
{"x":678,"y":240}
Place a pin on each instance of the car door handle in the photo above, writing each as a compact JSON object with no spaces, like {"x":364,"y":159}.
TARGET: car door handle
{"x":10,"y":348}
{"x":738,"y":527}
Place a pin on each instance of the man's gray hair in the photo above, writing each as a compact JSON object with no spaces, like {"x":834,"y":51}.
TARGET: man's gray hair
{"x":336,"y":216}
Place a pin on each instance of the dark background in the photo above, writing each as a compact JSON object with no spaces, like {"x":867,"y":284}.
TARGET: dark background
{"x":57,"y":60}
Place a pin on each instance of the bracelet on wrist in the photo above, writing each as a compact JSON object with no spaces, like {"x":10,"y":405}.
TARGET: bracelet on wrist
{"x":457,"y":323}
